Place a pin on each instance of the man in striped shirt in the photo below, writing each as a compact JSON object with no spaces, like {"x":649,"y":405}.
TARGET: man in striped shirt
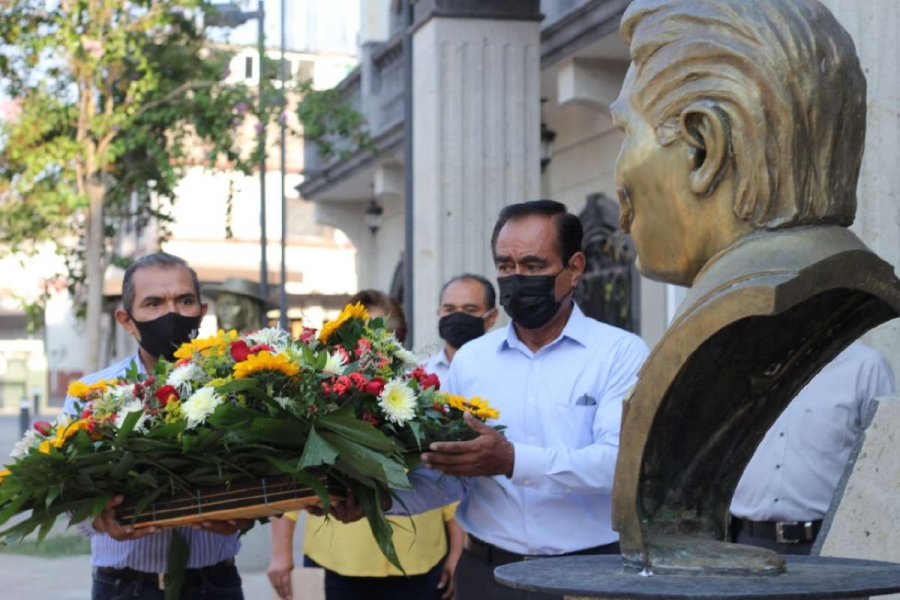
{"x":161,"y":307}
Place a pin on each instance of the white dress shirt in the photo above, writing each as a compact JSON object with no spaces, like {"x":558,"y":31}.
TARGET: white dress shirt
{"x":796,"y":468}
{"x":439,"y":364}
{"x":562,"y":410}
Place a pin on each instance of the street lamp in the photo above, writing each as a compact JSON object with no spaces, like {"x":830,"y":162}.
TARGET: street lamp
{"x":373,"y":216}
{"x":229,"y":14}
{"x":547,"y":138}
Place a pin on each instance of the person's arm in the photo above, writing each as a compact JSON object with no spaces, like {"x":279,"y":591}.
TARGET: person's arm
{"x":431,"y":490}
{"x":591,"y":468}
{"x":456,"y":538}
{"x":875,"y":380}
{"x":282,"y":562}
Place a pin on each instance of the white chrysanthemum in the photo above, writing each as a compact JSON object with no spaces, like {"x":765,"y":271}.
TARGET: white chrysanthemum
{"x":183,"y":378}
{"x":200,"y":405}
{"x":406,"y":356}
{"x":271,"y":336}
{"x":130,"y":407}
{"x":335,"y":363}
{"x":120,"y":395}
{"x":397,"y":401}
{"x":28,"y":441}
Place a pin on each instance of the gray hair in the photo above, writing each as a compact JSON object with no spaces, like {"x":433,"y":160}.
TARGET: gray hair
{"x":157,"y":260}
{"x":490,"y":295}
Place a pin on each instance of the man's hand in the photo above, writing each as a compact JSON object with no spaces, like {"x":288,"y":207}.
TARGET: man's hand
{"x":230,"y":527}
{"x":487,"y":455}
{"x":349,"y":510}
{"x":107,"y":523}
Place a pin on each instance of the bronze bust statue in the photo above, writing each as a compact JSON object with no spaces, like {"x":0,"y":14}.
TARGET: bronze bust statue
{"x":239,"y":304}
{"x":745,"y":124}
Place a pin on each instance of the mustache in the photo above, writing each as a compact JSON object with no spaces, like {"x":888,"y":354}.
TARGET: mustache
{"x":626,"y":209}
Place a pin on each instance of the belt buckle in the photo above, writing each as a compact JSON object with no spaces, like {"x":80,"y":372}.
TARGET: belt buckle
{"x":161,"y":581}
{"x":779,"y":532}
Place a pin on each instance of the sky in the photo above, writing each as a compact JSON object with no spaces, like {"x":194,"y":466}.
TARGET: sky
{"x":312,"y":25}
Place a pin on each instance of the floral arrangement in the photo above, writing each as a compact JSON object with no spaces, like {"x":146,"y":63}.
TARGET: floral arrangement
{"x":350,"y":402}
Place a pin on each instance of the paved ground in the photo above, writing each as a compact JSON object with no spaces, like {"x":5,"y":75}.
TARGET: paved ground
{"x":69,"y":578}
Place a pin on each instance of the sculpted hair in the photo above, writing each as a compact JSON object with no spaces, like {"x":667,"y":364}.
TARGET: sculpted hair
{"x":784,"y":76}
{"x":159,"y":260}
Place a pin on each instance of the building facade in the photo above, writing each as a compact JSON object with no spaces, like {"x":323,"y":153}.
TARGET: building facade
{"x":510,"y":102}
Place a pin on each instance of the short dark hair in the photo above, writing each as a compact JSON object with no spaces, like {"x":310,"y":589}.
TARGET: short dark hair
{"x":490,"y":296}
{"x":158,"y":260}
{"x":569,"y":233}
{"x":387,"y":303}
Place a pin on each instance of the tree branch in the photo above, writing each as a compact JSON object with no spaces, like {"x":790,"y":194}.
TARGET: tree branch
{"x":184,"y":87}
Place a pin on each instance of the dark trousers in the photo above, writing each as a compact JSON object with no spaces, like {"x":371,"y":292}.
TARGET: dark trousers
{"x":762,"y":542}
{"x":395,"y":587}
{"x":215,"y":583}
{"x":474,"y":578}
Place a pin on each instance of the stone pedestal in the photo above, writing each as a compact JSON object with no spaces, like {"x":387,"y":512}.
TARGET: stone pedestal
{"x":476,"y":136}
{"x":602,"y":577}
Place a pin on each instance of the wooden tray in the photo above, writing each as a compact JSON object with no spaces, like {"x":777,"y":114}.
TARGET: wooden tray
{"x":250,"y":499}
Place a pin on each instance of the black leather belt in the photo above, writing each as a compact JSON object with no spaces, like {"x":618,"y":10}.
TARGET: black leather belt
{"x":192,"y":577}
{"x":783,"y":532}
{"x":493,"y":555}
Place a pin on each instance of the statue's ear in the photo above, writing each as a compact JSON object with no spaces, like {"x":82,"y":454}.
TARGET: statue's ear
{"x":706,"y":132}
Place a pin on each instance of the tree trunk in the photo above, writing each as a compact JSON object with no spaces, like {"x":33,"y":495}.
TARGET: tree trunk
{"x":94,"y":271}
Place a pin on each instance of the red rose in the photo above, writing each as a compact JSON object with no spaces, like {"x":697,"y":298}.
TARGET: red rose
{"x":262,"y":348}
{"x":86,"y":413}
{"x":239,"y":351}
{"x":44,"y":428}
{"x":166,"y":394}
{"x":371,"y":418}
{"x":375,"y":386}
{"x":307,"y":334}
{"x":430,"y":380}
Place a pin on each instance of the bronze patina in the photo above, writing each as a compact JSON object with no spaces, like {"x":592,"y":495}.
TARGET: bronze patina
{"x":745,"y":123}
{"x":239,"y":304}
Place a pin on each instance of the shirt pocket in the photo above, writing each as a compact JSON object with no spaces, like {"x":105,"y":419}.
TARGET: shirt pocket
{"x":572,"y":425}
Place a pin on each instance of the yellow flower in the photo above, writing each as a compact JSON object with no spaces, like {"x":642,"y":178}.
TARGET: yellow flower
{"x":65,"y":431}
{"x":265,"y":362}
{"x":3,"y":474}
{"x":351,"y":311}
{"x":207,"y":346}
{"x":79,"y":389}
{"x":45,"y":447}
{"x":478,"y":406}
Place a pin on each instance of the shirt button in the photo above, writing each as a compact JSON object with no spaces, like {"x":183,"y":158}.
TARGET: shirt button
{"x":781,"y":434}
{"x":776,"y":499}
{"x":777,"y":466}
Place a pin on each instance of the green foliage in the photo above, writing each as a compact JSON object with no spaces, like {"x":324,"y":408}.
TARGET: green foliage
{"x":116,"y":95}
{"x":331,"y":123}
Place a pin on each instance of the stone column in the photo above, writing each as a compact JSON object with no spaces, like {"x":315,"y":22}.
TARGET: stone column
{"x":875,"y":28}
{"x":476,"y":136}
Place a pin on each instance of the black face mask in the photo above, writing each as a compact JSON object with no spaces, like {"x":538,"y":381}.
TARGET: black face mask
{"x":162,"y":336}
{"x":459,"y":328}
{"x":529,"y":300}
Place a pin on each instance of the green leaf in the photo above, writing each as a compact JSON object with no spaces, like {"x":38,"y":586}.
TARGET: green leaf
{"x":317,"y":451}
{"x":128,"y":424}
{"x":368,"y":462}
{"x":357,"y":430}
{"x":179,"y":554}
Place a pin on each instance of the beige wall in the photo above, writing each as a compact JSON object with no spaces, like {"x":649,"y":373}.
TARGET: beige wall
{"x":875,"y":27}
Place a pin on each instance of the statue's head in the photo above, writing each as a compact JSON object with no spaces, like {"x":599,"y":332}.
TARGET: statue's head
{"x":236,"y":311}
{"x":739,"y":116}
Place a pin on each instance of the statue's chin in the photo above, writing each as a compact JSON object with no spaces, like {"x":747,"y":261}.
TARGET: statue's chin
{"x":663,"y":275}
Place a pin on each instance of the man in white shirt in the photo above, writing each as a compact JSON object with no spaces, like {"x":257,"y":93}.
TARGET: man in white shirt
{"x":467,"y":310}
{"x":788,"y":485}
{"x":543,"y":488}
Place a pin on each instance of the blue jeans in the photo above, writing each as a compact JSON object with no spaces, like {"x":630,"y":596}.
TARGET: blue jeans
{"x":218,"y":583}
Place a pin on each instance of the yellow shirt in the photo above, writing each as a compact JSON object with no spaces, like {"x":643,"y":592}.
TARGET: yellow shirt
{"x":351,"y":550}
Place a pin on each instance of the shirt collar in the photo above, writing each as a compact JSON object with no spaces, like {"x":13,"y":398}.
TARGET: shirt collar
{"x":442,"y":357}
{"x":576,"y":329}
